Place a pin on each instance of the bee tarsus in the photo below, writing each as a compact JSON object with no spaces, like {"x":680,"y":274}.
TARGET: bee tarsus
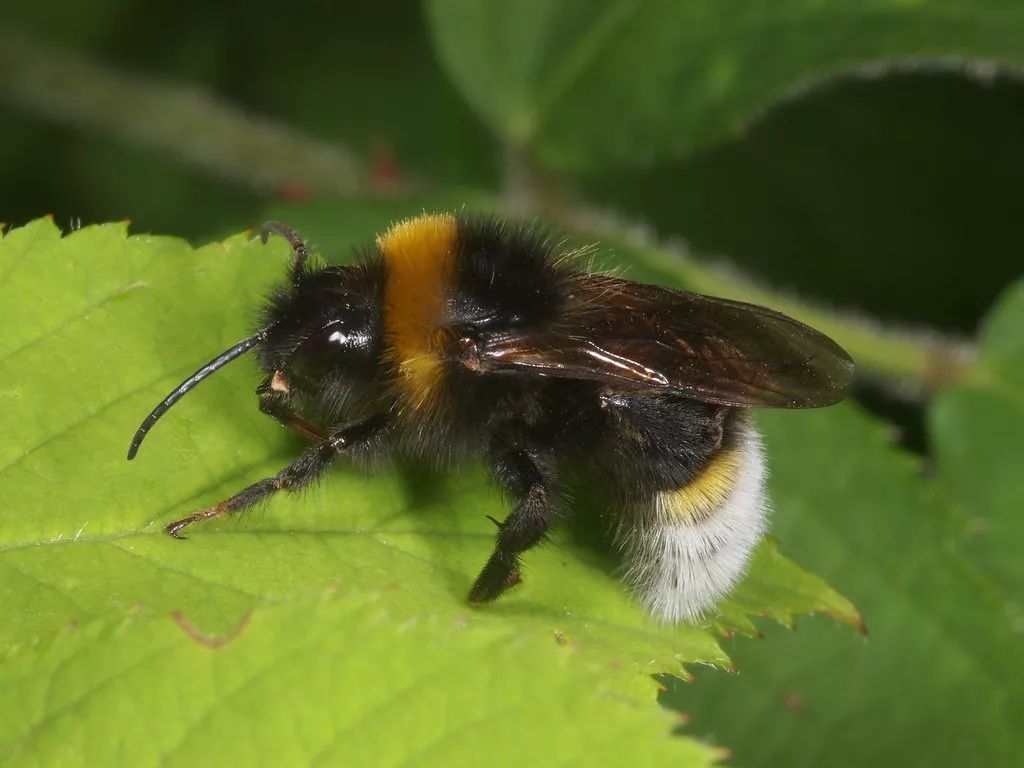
{"x":300,"y":473}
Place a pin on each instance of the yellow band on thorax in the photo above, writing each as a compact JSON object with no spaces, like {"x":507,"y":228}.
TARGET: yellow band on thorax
{"x":419,"y":256}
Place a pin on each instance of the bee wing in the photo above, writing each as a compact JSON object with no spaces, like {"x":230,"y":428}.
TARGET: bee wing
{"x":647,"y":336}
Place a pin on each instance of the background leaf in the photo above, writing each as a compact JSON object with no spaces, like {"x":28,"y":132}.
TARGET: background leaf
{"x":977,"y":431}
{"x":934,"y":563}
{"x":1002,"y":339}
{"x":661,"y":77}
{"x":853,"y":192}
{"x":90,"y":582}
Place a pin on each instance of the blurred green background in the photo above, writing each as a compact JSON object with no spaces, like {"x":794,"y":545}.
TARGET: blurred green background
{"x":870,"y":192}
{"x":894,"y":193}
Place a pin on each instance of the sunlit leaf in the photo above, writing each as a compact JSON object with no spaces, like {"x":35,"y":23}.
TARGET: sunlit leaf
{"x":105,"y":614}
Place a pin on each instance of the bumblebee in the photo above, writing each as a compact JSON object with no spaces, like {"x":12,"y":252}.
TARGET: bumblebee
{"x":457,"y":337}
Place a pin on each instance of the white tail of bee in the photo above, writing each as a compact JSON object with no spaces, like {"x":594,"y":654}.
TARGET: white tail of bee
{"x":689,"y":548}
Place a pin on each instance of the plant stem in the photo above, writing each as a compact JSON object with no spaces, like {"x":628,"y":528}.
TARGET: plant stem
{"x":187,"y":122}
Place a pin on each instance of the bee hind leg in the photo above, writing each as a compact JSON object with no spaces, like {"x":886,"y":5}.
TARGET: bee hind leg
{"x":525,"y":475}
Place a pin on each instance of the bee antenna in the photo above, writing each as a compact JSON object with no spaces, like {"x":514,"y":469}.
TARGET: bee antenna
{"x":188,"y":384}
{"x":299,"y":253}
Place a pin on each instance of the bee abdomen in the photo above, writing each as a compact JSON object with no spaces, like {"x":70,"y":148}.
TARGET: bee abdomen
{"x":686,"y":548}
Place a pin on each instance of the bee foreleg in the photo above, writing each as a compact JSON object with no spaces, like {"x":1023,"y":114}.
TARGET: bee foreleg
{"x":529,"y":480}
{"x":274,"y":403}
{"x":301,"y":472}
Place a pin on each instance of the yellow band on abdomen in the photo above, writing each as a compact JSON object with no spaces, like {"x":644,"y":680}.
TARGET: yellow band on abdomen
{"x":708,"y":490}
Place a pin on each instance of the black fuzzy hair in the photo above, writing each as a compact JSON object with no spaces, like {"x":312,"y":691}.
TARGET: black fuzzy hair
{"x":508,"y":272}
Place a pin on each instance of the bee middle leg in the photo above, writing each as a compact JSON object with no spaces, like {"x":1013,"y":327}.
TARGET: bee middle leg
{"x":301,"y":472}
{"x":525,"y":475}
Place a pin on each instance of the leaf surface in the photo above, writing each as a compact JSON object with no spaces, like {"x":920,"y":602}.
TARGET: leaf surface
{"x":341,"y":608}
{"x":978,"y":455}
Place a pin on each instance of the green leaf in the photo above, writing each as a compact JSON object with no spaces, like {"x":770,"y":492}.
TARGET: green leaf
{"x":333,"y":681}
{"x":978,"y":454}
{"x":226,"y":642}
{"x":778,"y":588}
{"x":1002,"y":336}
{"x":624,"y":82}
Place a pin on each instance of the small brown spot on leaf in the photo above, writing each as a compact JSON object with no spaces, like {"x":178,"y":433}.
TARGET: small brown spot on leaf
{"x":211,"y":641}
{"x":560,"y":638}
{"x":793,"y":701}
{"x":977,"y":525}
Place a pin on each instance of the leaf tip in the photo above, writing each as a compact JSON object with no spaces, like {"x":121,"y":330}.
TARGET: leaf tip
{"x":851,"y":617}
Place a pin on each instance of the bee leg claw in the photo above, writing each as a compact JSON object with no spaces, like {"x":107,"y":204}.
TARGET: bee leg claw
{"x":172,"y":530}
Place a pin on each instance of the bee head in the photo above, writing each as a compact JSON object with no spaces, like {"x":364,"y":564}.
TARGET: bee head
{"x":319,"y":338}
{"x":323,"y":330}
